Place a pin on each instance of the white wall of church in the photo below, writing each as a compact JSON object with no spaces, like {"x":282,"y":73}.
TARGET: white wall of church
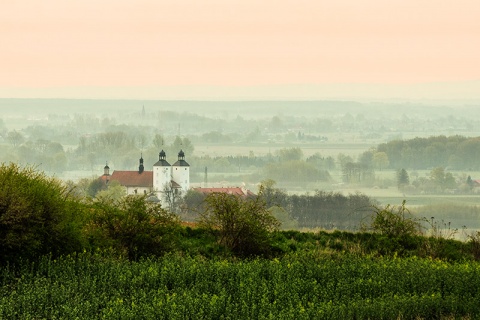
{"x":138,"y":190}
{"x":181,"y":175}
{"x":161,"y":177}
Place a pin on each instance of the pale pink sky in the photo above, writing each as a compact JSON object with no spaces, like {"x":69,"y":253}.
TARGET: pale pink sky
{"x":122,"y":43}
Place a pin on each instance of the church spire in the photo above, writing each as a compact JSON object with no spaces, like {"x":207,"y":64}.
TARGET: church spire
{"x":162,"y":155}
{"x":181,"y":155}
{"x":140,"y":167}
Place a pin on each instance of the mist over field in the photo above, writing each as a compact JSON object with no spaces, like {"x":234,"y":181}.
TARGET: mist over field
{"x":304,"y":146}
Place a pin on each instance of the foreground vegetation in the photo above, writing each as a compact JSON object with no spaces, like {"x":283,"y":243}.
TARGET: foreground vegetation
{"x":69,"y":257}
{"x":312,"y":285}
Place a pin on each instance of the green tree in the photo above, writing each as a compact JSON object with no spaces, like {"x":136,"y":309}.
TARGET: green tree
{"x":93,"y":186}
{"x":222,"y":164}
{"x":15,"y":138}
{"x":343,"y":159}
{"x":192,"y":204}
{"x":134,"y":227}
{"x":380,"y":160}
{"x":470,"y":183}
{"x":366,"y":158}
{"x":354,"y":172}
{"x":159,"y":141}
{"x":286,"y":221}
{"x":403,"y":179}
{"x":274,"y":197}
{"x":290,"y":154}
{"x":437,"y":176}
{"x":113,"y":193}
{"x":182,"y":144}
{"x":449,"y":181}
{"x":277,"y":200}
{"x":37,"y":215}
{"x":254,"y":135}
{"x":320,"y":162}
{"x":276,"y":124}
{"x":243,"y":225}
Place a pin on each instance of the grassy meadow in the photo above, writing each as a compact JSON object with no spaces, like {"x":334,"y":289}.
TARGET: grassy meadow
{"x":315,"y":284}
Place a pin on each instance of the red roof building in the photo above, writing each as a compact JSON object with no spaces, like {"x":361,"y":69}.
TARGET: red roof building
{"x":136,"y":182}
{"x":133,"y":178}
{"x":234,"y":191}
{"x":143,"y":182}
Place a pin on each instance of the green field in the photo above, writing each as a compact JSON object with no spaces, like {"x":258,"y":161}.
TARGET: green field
{"x":298,"y":286}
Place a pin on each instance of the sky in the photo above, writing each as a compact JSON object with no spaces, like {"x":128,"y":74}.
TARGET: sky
{"x":183,"y":48}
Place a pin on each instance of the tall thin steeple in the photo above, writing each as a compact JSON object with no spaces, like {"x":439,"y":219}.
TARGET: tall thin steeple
{"x":141,"y":167}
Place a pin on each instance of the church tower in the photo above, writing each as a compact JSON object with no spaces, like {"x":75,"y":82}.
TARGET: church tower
{"x":181,"y":172}
{"x":106,"y":170}
{"x":141,"y":168}
{"x":162,"y":173}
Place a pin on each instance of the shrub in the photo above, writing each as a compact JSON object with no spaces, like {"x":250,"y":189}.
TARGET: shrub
{"x":134,"y":227}
{"x":37,"y":215}
{"x":244,"y":224}
{"x":474,"y":242}
{"x":394,"y":221}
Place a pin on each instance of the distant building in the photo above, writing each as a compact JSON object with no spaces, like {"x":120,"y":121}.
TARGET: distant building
{"x":165,"y":182}
{"x":164,"y":178}
{"x":243,"y":192}
{"x":167,"y":176}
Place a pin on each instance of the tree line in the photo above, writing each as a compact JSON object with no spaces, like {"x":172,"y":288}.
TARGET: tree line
{"x":326,"y":210}
{"x":455,"y":152}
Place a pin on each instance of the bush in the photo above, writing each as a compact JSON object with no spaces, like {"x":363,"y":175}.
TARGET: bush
{"x":134,"y":227}
{"x":394,"y":222}
{"x":244,"y":224}
{"x":37,"y":215}
{"x":474,"y":243}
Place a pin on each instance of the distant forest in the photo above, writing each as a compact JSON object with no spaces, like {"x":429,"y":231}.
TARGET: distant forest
{"x":454,"y":152}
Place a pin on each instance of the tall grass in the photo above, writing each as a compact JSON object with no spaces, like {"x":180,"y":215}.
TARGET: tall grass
{"x":297,"y":286}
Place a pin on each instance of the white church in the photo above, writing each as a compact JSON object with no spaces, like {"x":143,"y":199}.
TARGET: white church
{"x":164,"y":181}
{"x":164,"y":178}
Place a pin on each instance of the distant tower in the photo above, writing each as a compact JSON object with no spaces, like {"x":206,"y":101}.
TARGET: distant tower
{"x":106,"y":173}
{"x":143,"y":112}
{"x":141,"y":167}
{"x":106,"y":170}
{"x":181,"y":172}
{"x":162,"y":173}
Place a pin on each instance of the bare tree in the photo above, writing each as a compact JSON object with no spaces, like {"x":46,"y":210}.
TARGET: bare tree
{"x":15,"y":138}
{"x":171,"y":196}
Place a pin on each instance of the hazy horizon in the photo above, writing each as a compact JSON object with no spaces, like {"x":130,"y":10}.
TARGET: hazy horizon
{"x":432,"y":93}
